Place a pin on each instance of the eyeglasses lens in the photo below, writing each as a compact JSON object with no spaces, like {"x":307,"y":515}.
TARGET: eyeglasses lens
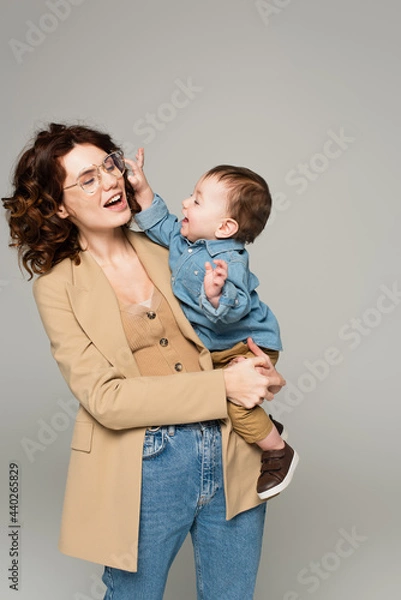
{"x":89,"y":180}
{"x":113,"y":163}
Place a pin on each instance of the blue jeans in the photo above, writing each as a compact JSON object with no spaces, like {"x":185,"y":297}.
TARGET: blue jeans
{"x":183,"y":492}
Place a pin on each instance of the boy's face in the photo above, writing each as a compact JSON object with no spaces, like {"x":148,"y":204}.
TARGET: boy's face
{"x":205,"y":211}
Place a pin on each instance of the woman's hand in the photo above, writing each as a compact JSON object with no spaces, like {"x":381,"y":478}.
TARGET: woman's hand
{"x":143,"y":191}
{"x":277,"y":381}
{"x":250,"y":381}
{"x":245,"y":385}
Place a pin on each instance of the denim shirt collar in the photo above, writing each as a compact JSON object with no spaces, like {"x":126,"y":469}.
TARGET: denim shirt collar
{"x":216,"y":246}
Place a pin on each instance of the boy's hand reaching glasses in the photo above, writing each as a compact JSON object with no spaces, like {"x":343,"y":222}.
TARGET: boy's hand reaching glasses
{"x":143,"y":191}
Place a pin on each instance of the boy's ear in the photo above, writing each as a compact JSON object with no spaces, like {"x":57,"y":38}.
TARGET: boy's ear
{"x":227,"y":228}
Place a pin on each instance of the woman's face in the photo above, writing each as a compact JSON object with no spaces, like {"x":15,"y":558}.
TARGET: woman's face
{"x":107,"y":208}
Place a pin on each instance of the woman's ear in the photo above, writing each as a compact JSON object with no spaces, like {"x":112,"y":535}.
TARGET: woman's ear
{"x":62,"y":212}
{"x":227,"y":228}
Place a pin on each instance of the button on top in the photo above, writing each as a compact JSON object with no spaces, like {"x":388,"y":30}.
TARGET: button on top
{"x":163,"y":342}
{"x":178,"y":367}
{"x":189,"y":250}
{"x":151,"y":314}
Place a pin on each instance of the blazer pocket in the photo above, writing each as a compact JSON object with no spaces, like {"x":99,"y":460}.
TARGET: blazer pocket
{"x":82,"y":436}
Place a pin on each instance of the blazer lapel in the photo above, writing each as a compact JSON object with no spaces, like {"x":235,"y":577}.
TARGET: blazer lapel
{"x":91,"y":289}
{"x":95,"y":306}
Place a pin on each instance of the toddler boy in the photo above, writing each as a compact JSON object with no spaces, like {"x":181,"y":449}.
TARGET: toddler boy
{"x":210,"y":276}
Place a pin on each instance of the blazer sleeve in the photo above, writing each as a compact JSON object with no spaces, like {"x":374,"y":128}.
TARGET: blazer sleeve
{"x":114,"y":400}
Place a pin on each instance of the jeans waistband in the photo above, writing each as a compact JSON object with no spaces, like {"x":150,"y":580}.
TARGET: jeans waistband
{"x":199,"y":425}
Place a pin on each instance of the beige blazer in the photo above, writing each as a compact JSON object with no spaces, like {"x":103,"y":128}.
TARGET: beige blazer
{"x":81,"y":316}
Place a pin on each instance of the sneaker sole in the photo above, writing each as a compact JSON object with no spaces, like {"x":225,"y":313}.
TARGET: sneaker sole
{"x":285,"y":483}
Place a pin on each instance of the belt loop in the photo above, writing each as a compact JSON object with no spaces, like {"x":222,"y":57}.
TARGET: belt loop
{"x":171,"y":430}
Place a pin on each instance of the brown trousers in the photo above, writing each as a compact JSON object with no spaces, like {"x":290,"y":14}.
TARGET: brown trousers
{"x":251,"y":424}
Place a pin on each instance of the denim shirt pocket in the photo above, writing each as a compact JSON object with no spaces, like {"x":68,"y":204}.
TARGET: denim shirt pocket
{"x":191,"y":277}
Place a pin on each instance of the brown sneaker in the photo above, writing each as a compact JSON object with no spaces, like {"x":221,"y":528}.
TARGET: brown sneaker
{"x":276,"y":472}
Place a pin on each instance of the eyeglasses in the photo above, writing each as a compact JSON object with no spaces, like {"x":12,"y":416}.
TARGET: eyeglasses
{"x":90,"y":177}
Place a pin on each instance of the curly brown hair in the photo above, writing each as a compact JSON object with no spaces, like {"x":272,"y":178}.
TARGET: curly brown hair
{"x":42,"y":238}
{"x":249,"y":199}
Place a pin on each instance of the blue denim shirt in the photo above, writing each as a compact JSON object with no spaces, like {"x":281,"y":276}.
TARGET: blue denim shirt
{"x":240,"y":312}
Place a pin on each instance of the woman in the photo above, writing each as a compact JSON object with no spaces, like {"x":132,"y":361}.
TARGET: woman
{"x":153,"y":455}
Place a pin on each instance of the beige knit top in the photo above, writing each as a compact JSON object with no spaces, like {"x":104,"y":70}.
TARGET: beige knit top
{"x":156,"y":341}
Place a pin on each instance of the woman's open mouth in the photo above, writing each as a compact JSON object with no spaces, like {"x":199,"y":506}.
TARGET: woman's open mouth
{"x":116,"y":202}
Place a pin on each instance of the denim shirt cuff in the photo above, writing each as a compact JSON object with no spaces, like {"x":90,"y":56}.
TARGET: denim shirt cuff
{"x":229,"y":297}
{"x":227,"y":300}
{"x":148,"y":218}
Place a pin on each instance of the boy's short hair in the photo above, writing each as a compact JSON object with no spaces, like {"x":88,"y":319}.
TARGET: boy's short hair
{"x":249,"y":199}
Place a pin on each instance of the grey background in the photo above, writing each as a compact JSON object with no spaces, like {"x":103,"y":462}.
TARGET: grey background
{"x":272,"y":83}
